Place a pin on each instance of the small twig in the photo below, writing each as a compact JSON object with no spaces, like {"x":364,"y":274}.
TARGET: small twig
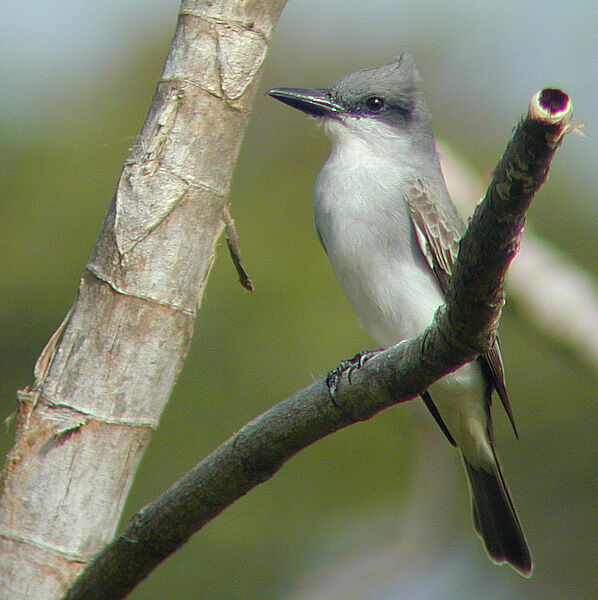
{"x":396,"y":375}
{"x":232,"y":240}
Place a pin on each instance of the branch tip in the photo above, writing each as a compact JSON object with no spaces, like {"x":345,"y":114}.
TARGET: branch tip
{"x":551,"y":106}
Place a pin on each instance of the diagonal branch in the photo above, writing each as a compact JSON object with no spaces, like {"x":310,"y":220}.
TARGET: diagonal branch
{"x":463,"y":328}
{"x":548,"y":289}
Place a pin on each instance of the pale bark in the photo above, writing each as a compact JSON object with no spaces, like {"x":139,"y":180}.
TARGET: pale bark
{"x":105,"y":377}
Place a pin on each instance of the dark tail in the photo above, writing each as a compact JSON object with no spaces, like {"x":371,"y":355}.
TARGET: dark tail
{"x":495,"y":519}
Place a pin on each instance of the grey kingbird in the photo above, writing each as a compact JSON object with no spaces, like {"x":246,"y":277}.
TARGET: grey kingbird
{"x":391,"y":231}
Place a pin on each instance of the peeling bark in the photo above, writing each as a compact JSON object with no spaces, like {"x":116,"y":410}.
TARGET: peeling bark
{"x":106,"y":375}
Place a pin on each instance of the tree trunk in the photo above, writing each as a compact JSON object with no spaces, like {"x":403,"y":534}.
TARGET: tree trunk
{"x":106,"y":375}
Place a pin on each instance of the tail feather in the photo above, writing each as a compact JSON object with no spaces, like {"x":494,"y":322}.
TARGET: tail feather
{"x":495,"y":519}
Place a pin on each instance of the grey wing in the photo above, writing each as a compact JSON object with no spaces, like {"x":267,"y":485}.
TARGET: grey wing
{"x":438,"y":232}
{"x":438,"y":229}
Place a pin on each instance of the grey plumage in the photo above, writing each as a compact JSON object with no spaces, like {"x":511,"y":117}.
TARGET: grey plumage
{"x":391,"y":232}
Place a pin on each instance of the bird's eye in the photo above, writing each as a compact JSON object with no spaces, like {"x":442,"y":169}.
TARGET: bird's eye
{"x":374,"y":104}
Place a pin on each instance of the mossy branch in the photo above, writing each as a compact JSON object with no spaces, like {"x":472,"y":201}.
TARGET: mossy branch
{"x":462,"y":329}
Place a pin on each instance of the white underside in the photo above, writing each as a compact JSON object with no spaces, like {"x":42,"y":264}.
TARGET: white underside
{"x":367,"y":232}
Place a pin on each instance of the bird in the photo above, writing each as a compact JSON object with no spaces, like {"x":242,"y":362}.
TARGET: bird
{"x":386,"y":221}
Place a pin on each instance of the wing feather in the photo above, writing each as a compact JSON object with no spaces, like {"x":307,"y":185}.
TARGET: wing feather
{"x":438,"y":230}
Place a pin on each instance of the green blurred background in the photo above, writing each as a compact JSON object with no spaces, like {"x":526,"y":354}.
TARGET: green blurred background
{"x":379,"y":510}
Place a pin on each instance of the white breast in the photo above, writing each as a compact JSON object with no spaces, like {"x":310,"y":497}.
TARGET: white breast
{"x":365,"y":226}
{"x":366,"y":229}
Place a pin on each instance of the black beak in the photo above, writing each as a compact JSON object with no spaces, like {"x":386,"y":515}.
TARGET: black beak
{"x":314,"y":102}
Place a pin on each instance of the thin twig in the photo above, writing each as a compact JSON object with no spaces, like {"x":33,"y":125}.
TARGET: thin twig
{"x":232,"y":240}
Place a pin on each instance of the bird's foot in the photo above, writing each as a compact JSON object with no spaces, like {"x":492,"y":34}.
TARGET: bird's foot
{"x":333,"y":379}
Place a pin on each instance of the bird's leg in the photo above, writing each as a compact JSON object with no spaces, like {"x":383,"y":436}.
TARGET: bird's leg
{"x":333,"y":379}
